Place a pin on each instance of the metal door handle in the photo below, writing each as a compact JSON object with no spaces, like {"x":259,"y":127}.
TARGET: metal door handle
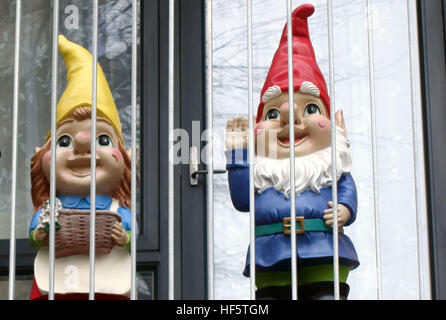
{"x":194,"y":174}
{"x":193,"y":167}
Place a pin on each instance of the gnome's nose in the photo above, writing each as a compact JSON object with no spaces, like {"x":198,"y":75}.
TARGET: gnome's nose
{"x":82,"y":142}
{"x":285,"y":114}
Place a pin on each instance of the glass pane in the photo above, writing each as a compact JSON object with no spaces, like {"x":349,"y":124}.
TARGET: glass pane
{"x":23,"y":285}
{"x":114,"y":55}
{"x":145,"y":285}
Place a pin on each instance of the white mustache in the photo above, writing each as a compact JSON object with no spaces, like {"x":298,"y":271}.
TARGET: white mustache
{"x":311,"y":172}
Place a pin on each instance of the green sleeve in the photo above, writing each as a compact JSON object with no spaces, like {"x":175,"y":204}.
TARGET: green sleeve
{"x":35,"y":243}
{"x":127,"y":244}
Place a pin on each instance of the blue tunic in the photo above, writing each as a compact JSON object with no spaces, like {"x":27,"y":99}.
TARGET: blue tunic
{"x":273,"y":252}
{"x":103,"y":202}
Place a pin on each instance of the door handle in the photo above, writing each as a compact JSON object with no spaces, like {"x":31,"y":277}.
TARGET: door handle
{"x":194,"y":174}
{"x":193,"y":167}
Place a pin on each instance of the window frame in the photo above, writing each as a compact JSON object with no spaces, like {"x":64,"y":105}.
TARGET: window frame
{"x":432,"y":39}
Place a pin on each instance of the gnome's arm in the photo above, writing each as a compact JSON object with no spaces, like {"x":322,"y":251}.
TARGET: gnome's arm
{"x":126,"y":224}
{"x":347,"y":195}
{"x":238,"y":176}
{"x":35,"y":243}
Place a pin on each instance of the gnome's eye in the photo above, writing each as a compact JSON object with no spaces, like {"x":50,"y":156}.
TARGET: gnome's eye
{"x":64,"y":142}
{"x":312,"y":109}
{"x":104,"y":141}
{"x":273,"y":114}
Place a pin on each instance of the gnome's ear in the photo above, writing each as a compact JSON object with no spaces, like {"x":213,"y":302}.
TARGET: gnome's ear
{"x":339,"y":121}
{"x":129,"y":153}
{"x":37,"y":149}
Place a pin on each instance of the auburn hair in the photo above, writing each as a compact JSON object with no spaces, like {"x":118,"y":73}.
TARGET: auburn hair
{"x":40,"y":187}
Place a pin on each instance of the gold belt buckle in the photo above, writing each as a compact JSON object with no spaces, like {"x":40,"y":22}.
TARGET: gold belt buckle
{"x":287,"y":226}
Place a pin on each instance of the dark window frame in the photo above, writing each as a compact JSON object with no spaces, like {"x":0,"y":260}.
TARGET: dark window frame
{"x":432,"y":39}
{"x":190,"y":202}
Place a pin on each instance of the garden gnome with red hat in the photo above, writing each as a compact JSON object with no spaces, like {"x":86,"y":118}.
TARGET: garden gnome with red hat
{"x":313,"y":176}
{"x":73,"y":180}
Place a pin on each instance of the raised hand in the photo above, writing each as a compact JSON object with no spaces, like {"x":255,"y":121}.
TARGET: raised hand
{"x":237,"y":133}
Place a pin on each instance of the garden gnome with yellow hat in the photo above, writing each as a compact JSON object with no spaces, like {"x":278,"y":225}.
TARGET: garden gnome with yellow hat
{"x":73,"y":179}
{"x":313,"y":176}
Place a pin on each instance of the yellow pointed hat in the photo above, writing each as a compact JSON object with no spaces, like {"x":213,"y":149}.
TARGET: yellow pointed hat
{"x":78,"y":62}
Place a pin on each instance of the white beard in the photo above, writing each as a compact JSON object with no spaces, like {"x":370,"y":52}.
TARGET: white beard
{"x":312,"y":172}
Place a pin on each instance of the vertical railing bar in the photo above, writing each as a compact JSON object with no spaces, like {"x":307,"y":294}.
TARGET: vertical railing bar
{"x":252,"y":239}
{"x":416,"y":160}
{"x":171,"y":199}
{"x":210,"y":150}
{"x":133,"y":152}
{"x":12,"y":237}
{"x":93,"y":152}
{"x":374,"y":147}
{"x":294,"y":292}
{"x":54,"y":71}
{"x":333,"y":151}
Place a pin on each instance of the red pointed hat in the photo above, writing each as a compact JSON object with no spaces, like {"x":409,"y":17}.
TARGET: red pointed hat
{"x":306,"y":73}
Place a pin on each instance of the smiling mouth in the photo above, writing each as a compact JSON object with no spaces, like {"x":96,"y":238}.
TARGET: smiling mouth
{"x":283,"y":136}
{"x":81,"y":171}
{"x":286,"y":141}
{"x":80,"y":166}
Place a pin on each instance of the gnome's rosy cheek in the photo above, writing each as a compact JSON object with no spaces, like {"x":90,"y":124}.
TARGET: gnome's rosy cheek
{"x":116,"y":154}
{"x":46,"y":163}
{"x":323,"y":123}
{"x":47,"y":159}
{"x":318,"y":122}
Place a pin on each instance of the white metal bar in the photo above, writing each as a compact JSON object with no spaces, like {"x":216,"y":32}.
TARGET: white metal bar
{"x":133,"y":152}
{"x":374,"y":148}
{"x":333,"y":151}
{"x":251,"y":146}
{"x":416,"y":161}
{"x":93,"y":152}
{"x":171,"y":111}
{"x":54,"y":70}
{"x":210,"y":151}
{"x":294,"y":293}
{"x":15,"y":112}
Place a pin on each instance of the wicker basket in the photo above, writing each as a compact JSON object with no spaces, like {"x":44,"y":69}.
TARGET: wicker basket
{"x":73,"y":236}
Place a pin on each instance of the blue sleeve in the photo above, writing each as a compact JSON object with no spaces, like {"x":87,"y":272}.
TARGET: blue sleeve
{"x":238,"y":177}
{"x":34,"y":221}
{"x":126,"y":217}
{"x":347,"y":195}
